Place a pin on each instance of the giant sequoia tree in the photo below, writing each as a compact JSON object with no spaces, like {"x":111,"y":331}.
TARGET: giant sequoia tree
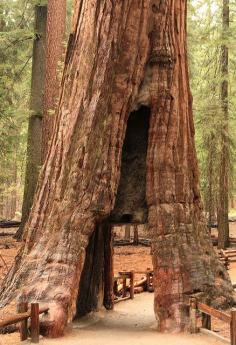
{"x":125,"y":81}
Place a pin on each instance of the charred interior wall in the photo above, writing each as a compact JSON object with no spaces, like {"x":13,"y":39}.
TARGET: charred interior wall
{"x":130,"y":205}
{"x":91,"y":289}
{"x":96,"y":283}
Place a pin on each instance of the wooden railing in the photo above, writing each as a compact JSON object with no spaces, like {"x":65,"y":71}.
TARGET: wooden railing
{"x":121,"y":287}
{"x":147,"y":281}
{"x":228,"y":255}
{"x":209,"y":312}
{"x":22,"y":317}
{"x":123,"y":276}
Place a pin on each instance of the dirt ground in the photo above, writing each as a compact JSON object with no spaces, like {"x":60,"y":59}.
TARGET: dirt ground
{"x":128,"y":319}
{"x":132,"y":322}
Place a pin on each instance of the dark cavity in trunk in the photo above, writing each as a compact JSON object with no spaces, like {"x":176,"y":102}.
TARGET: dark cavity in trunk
{"x":96,"y":283}
{"x":130,"y":205}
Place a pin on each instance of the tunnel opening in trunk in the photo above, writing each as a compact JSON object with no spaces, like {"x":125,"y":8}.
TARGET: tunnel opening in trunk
{"x":130,"y":205}
{"x":96,"y":283}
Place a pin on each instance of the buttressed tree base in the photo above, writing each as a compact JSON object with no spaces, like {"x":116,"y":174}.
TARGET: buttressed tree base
{"x":122,"y":56}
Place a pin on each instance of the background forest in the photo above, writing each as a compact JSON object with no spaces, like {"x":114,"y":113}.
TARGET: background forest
{"x":215,"y":124}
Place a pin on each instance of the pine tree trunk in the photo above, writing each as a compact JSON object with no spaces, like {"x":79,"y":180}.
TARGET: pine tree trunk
{"x":34,"y":156}
{"x":14,"y":185}
{"x":210,"y":195}
{"x":121,"y":55}
{"x":223,"y":207}
{"x":56,"y":27}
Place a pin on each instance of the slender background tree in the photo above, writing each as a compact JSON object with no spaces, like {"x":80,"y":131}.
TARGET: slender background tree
{"x":55,"y":47}
{"x":34,"y":154}
{"x":223,"y":202}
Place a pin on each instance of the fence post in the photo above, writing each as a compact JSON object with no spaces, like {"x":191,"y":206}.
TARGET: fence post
{"x":115,"y":289}
{"x":136,"y":239}
{"x":35,"y":323}
{"x":206,"y":321}
{"x":132,"y":284}
{"x":124,"y":287}
{"x":148,"y":278}
{"x":233,"y":327}
{"x":193,"y":316}
{"x":127,"y":232}
{"x":22,"y":307}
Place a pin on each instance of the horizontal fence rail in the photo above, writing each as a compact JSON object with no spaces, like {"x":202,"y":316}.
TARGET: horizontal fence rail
{"x":207,"y":313}
{"x":22,"y":316}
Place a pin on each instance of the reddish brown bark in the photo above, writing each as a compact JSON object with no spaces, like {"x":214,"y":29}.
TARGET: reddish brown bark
{"x":56,"y":26}
{"x":121,"y":55}
{"x":223,"y":203}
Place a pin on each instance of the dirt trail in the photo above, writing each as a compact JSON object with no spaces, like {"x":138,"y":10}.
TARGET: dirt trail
{"x":132,"y":322}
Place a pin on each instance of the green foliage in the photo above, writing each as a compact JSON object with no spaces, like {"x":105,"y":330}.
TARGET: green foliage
{"x":204,"y":41}
{"x":16,"y":43}
{"x":16,"y":36}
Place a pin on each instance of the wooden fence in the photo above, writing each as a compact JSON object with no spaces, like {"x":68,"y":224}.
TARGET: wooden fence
{"x":228,"y":255}
{"x":125,"y":287}
{"x":123,"y":277}
{"x":194,"y":308}
{"x":147,"y":282}
{"x":207,"y":313}
{"x":22,"y":316}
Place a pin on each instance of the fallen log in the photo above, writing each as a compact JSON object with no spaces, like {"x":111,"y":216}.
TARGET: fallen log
{"x":138,"y":289}
{"x":9,"y":224}
{"x":6,"y":233}
{"x":9,"y":329}
{"x":141,"y":282}
{"x":145,"y":242}
{"x":120,"y":243}
{"x":121,"y":299}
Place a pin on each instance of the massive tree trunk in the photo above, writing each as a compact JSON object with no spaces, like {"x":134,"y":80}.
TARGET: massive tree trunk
{"x":56,"y":27}
{"x":34,"y":156}
{"x":121,"y":55}
{"x":223,"y":207}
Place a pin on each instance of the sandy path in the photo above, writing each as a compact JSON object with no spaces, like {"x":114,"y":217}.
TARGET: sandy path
{"x":132,"y":323}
